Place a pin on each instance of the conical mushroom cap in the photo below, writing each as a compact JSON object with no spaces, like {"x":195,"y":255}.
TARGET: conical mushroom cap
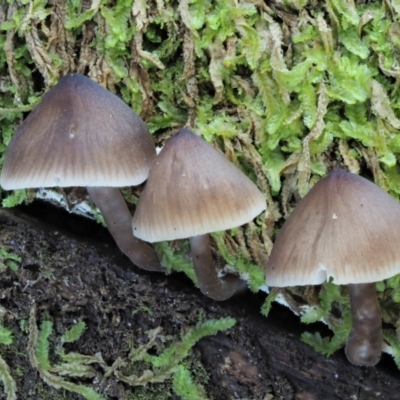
{"x":193,"y":189}
{"x":346,"y":228}
{"x":80,"y":134}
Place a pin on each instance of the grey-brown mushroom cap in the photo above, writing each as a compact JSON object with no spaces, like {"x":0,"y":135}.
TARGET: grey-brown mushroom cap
{"x":346,"y":228}
{"x":193,"y":189}
{"x":80,"y":134}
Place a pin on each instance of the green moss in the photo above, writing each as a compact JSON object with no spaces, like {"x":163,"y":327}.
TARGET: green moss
{"x":185,"y":387}
{"x":163,"y":372}
{"x":9,"y":259}
{"x":10,"y":387}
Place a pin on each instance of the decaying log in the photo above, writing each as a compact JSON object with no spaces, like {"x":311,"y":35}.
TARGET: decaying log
{"x":259,"y":358}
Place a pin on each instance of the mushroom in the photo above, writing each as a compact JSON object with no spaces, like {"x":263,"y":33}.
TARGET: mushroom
{"x":193,"y":190}
{"x":80,"y":134}
{"x":348,"y":229}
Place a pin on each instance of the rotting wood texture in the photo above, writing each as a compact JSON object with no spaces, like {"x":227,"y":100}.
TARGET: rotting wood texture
{"x":73,"y":277}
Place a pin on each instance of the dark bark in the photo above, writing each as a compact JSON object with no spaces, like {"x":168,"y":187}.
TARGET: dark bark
{"x":257,"y":357}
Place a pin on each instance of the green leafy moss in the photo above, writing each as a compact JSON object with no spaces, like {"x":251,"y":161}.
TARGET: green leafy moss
{"x":185,"y":387}
{"x":164,"y":366}
{"x":9,"y":259}
{"x":10,"y":387}
{"x":178,"y":351}
{"x":42,"y":347}
{"x":74,"y":333}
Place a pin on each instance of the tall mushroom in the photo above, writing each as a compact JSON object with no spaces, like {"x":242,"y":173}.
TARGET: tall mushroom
{"x":80,"y":134}
{"x":346,"y":228}
{"x":193,"y":190}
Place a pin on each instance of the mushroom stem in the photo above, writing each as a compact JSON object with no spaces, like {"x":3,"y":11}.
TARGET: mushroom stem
{"x":210,"y":284}
{"x":364,"y":344}
{"x":112,"y":205}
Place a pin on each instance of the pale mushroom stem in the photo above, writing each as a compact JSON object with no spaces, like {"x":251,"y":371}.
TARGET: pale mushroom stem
{"x":364,"y":344}
{"x":210,"y":284}
{"x":112,"y":205}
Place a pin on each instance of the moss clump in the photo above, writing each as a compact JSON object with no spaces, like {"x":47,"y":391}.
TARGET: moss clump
{"x":138,"y":369}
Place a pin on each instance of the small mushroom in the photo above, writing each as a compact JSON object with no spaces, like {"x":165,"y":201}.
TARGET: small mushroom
{"x":348,"y":229}
{"x":193,"y":190}
{"x":80,"y":134}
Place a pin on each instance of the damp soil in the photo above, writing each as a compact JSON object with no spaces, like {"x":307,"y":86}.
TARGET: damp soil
{"x":70,"y":271}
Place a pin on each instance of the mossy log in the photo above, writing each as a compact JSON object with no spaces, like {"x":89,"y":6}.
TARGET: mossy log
{"x":70,"y":271}
{"x":286,"y":89}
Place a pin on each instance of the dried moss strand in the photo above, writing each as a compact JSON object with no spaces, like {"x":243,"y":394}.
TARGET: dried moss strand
{"x":364,"y":345}
{"x":210,"y":284}
{"x":118,"y":219}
